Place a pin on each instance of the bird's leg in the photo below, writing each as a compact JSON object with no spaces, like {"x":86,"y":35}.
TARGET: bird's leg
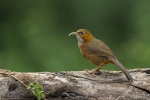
{"x":98,"y":68}
{"x":89,"y":72}
{"x":94,"y":70}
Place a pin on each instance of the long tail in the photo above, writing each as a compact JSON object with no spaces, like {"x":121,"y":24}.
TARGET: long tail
{"x":115,"y":61}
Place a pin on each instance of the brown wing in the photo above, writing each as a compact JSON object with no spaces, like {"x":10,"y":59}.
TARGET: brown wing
{"x":99,"y":48}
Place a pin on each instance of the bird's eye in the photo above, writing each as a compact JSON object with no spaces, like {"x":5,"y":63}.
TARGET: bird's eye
{"x":82,"y":33}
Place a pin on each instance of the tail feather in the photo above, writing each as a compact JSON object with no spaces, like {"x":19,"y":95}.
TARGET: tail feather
{"x":115,"y":61}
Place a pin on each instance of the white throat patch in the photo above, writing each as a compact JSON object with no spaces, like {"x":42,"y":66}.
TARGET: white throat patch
{"x":80,"y":40}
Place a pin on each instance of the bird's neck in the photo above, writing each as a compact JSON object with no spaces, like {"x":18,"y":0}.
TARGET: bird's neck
{"x":82,"y":41}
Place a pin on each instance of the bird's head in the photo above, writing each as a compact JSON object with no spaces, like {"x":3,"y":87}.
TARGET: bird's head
{"x":82,"y":35}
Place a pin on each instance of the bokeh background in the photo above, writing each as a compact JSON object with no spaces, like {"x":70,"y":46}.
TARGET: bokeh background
{"x":34,"y":33}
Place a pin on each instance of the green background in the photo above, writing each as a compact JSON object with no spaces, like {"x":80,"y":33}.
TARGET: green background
{"x":34,"y":33}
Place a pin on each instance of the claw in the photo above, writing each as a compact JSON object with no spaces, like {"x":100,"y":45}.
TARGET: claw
{"x":99,"y":71}
{"x":90,"y":72}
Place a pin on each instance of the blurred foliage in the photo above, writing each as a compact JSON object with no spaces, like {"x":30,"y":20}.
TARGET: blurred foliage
{"x":34,"y":33}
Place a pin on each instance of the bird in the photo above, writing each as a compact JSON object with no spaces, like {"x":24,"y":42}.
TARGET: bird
{"x":97,"y":52}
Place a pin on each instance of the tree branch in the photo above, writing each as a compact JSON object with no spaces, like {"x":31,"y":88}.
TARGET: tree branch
{"x":78,"y":85}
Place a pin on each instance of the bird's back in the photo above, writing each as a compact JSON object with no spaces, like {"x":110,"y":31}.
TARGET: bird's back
{"x":96,"y":51}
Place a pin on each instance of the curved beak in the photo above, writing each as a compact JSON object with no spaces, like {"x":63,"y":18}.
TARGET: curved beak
{"x":73,"y":33}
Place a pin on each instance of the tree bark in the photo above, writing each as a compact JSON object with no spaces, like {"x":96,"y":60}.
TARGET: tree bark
{"x":77,"y":85}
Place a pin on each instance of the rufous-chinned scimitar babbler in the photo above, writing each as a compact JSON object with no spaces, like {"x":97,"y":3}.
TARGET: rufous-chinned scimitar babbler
{"x":97,"y":52}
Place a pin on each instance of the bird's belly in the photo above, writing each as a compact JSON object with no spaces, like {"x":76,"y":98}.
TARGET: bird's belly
{"x":96,"y":60}
{"x":93,"y":59}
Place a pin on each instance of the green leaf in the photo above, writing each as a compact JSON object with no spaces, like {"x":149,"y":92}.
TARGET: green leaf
{"x":36,"y":89}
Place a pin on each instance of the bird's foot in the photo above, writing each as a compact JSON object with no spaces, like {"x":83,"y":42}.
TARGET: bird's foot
{"x":90,"y":72}
{"x":99,"y":71}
